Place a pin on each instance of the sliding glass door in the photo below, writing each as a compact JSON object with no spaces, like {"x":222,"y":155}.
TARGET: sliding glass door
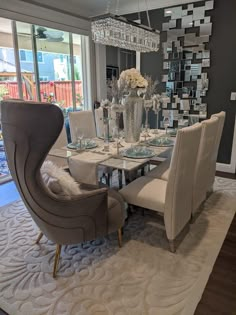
{"x":47,"y":65}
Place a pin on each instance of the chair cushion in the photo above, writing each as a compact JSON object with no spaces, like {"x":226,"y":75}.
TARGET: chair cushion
{"x":161,"y":171}
{"x":146,"y":192}
{"x":58,"y":182}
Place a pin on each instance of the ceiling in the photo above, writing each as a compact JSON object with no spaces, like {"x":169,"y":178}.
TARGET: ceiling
{"x":89,"y":8}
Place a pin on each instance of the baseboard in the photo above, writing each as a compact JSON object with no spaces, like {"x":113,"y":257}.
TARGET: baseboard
{"x":226,"y":168}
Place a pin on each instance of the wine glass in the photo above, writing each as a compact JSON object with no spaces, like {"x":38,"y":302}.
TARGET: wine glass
{"x":145,"y":131}
{"x":80,"y":136}
{"x":166,"y":123}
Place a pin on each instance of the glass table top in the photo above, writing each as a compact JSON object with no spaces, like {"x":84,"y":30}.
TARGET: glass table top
{"x":122,"y":164}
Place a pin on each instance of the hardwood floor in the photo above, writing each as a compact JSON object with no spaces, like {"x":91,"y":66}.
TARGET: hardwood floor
{"x":219,"y":297}
{"x":226,"y":175}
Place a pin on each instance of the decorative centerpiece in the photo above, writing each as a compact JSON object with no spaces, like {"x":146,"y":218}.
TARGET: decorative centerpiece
{"x":131,"y":81}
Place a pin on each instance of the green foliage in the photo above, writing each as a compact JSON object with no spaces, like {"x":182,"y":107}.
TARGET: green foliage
{"x":3,"y":91}
{"x":76,"y":72}
{"x":79,"y":99}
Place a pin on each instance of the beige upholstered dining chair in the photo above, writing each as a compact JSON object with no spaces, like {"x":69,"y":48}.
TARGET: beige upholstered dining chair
{"x":84,"y":120}
{"x":221,"y":121}
{"x":98,"y":112}
{"x":172,"y":198}
{"x":29,"y":130}
{"x":61,"y":140}
{"x":204,"y":162}
{"x":59,"y":144}
{"x":203,"y":167}
{"x":161,"y":171}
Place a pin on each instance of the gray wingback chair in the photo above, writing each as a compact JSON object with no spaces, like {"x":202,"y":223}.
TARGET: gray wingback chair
{"x":29,"y":131}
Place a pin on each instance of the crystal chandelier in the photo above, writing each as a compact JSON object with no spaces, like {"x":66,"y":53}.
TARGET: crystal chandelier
{"x":115,"y":30}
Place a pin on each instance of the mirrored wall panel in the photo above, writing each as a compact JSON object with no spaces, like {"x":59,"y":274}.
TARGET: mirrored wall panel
{"x":186,"y":55}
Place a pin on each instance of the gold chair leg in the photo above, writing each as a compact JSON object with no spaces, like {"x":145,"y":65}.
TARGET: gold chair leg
{"x":39,"y":238}
{"x":119,"y":237}
{"x":56,"y":261}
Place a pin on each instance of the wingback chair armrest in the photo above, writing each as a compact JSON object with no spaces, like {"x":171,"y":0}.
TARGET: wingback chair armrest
{"x":90,"y":193}
{"x":88,"y":203}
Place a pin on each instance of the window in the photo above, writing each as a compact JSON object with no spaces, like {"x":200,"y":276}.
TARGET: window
{"x":22,"y":55}
{"x":40,"y":56}
{"x":27,"y":56}
{"x":43,"y":78}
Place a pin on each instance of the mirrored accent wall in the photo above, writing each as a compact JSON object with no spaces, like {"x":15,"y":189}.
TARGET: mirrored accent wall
{"x":186,"y":58}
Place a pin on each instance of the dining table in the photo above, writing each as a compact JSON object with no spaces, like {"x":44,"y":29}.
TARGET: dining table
{"x":89,"y":163}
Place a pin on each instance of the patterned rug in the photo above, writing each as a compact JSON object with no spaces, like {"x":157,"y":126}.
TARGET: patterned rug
{"x":98,"y":278}
{"x":4,"y":170}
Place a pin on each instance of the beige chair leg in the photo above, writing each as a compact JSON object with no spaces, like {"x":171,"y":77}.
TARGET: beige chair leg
{"x":56,"y":261}
{"x":172,"y":246}
{"x":119,"y":237}
{"x":39,"y":238}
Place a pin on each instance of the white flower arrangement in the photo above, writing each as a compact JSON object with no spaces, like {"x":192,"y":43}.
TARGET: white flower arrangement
{"x":106,"y":103}
{"x":132,"y":79}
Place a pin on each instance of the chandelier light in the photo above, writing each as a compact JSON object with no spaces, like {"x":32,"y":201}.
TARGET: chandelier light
{"x":116,"y":30}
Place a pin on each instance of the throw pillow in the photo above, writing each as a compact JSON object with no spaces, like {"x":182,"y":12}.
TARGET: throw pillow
{"x":58,"y":181}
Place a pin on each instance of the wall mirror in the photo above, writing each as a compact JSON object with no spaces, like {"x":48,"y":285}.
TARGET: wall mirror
{"x":188,"y":29}
{"x":198,"y":13}
{"x":187,"y":21}
{"x":205,"y":29}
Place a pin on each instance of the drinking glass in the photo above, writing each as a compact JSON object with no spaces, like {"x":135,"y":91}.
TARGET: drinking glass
{"x":166,"y":123}
{"x":145,"y":129}
{"x":79,"y":136}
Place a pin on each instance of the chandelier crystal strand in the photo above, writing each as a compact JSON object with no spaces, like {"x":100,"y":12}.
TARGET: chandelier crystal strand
{"x":139,"y":14}
{"x":117,"y":6}
{"x":147,"y":12}
{"x":108,"y":6}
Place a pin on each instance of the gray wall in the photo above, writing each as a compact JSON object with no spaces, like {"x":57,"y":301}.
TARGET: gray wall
{"x":222,"y":73}
{"x":112,"y":56}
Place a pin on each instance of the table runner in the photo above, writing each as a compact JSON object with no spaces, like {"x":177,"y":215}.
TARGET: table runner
{"x":84,"y":167}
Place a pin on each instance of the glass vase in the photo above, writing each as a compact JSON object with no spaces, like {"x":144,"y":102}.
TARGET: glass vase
{"x":133,"y":114}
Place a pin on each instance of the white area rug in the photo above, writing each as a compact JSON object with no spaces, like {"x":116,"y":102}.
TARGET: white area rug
{"x":143,"y":278}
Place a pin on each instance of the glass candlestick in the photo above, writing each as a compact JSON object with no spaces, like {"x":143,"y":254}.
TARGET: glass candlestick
{"x":106,"y":134}
{"x":157,"y":111}
{"x":106,"y":129}
{"x":147,"y":105}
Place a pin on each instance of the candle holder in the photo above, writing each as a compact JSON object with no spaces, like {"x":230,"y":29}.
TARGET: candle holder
{"x":147,"y":106}
{"x":157,"y":111}
{"x":106,"y":119}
